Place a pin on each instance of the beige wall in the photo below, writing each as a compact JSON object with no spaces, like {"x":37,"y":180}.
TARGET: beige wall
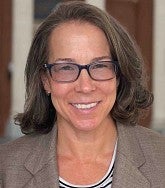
{"x":21,"y":39}
{"x":98,"y":3}
{"x":159,"y":64}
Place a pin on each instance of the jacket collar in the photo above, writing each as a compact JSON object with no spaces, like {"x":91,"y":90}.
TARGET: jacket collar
{"x":42,"y":162}
{"x":129,"y":159}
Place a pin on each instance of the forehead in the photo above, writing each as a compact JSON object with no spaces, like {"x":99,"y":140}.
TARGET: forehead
{"x":76,"y":36}
{"x":70,"y":28}
{"x":77,"y":31}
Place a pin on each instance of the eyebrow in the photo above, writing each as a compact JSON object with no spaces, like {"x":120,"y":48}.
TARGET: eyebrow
{"x":73,"y":60}
{"x":101,"y":58}
{"x":64,"y":59}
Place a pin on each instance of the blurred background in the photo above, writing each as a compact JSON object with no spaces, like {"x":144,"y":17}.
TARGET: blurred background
{"x":19,"y":19}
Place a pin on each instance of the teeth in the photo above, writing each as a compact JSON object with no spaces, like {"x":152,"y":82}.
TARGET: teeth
{"x":85,"y":106}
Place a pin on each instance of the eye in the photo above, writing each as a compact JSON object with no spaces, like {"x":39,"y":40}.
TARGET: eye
{"x":63,"y":67}
{"x":99,"y":66}
{"x":66,"y":67}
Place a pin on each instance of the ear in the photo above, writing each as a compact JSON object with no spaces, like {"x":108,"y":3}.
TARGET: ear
{"x":46,"y":83}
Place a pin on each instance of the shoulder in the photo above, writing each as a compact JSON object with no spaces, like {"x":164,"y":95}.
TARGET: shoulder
{"x":25,"y":156}
{"x":16,"y":151}
{"x":153,"y":147}
{"x":151,"y":144}
{"x":13,"y":155}
{"x":150,"y":137}
{"x":143,"y":135}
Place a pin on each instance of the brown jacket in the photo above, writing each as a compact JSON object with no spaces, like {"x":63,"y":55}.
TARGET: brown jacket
{"x":30,"y":161}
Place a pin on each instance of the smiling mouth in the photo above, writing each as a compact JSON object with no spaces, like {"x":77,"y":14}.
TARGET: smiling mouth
{"x":85,"y":106}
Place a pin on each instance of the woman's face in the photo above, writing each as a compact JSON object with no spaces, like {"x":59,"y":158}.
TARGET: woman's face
{"x":85,"y":103}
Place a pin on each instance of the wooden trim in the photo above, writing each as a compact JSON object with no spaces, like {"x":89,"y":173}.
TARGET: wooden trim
{"x":5,"y":58}
{"x":137,"y":17}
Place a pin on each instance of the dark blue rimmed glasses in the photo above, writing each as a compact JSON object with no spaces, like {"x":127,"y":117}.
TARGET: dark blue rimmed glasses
{"x":69,"y":72}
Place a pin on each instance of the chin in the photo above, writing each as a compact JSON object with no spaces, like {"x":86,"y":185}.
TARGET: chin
{"x":86,"y":125}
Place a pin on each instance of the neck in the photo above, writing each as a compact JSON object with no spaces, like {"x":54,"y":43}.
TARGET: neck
{"x":87,"y":145}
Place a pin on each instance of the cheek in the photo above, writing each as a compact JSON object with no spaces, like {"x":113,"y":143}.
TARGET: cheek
{"x":59,"y":94}
{"x":111,"y":96}
{"x":57,"y":98}
{"x":109,"y":88}
{"x":110,"y":92}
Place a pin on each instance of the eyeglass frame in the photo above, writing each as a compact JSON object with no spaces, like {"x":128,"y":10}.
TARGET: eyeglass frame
{"x":48,"y":66}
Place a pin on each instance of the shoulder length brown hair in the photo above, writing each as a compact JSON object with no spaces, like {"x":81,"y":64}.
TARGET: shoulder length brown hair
{"x":39,"y":114}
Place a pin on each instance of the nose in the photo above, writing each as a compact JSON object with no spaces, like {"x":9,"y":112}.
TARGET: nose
{"x":85,"y":83}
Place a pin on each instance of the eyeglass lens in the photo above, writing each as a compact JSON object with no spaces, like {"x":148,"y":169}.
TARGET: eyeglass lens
{"x":69,"y":72}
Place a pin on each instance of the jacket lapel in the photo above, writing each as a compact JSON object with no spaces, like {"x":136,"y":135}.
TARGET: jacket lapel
{"x":42,"y":162}
{"x":129,"y":159}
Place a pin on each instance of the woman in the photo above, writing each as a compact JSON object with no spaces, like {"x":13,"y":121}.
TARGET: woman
{"x":84,"y":92}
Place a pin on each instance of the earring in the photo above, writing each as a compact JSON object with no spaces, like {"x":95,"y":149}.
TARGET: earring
{"x":48,"y":93}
